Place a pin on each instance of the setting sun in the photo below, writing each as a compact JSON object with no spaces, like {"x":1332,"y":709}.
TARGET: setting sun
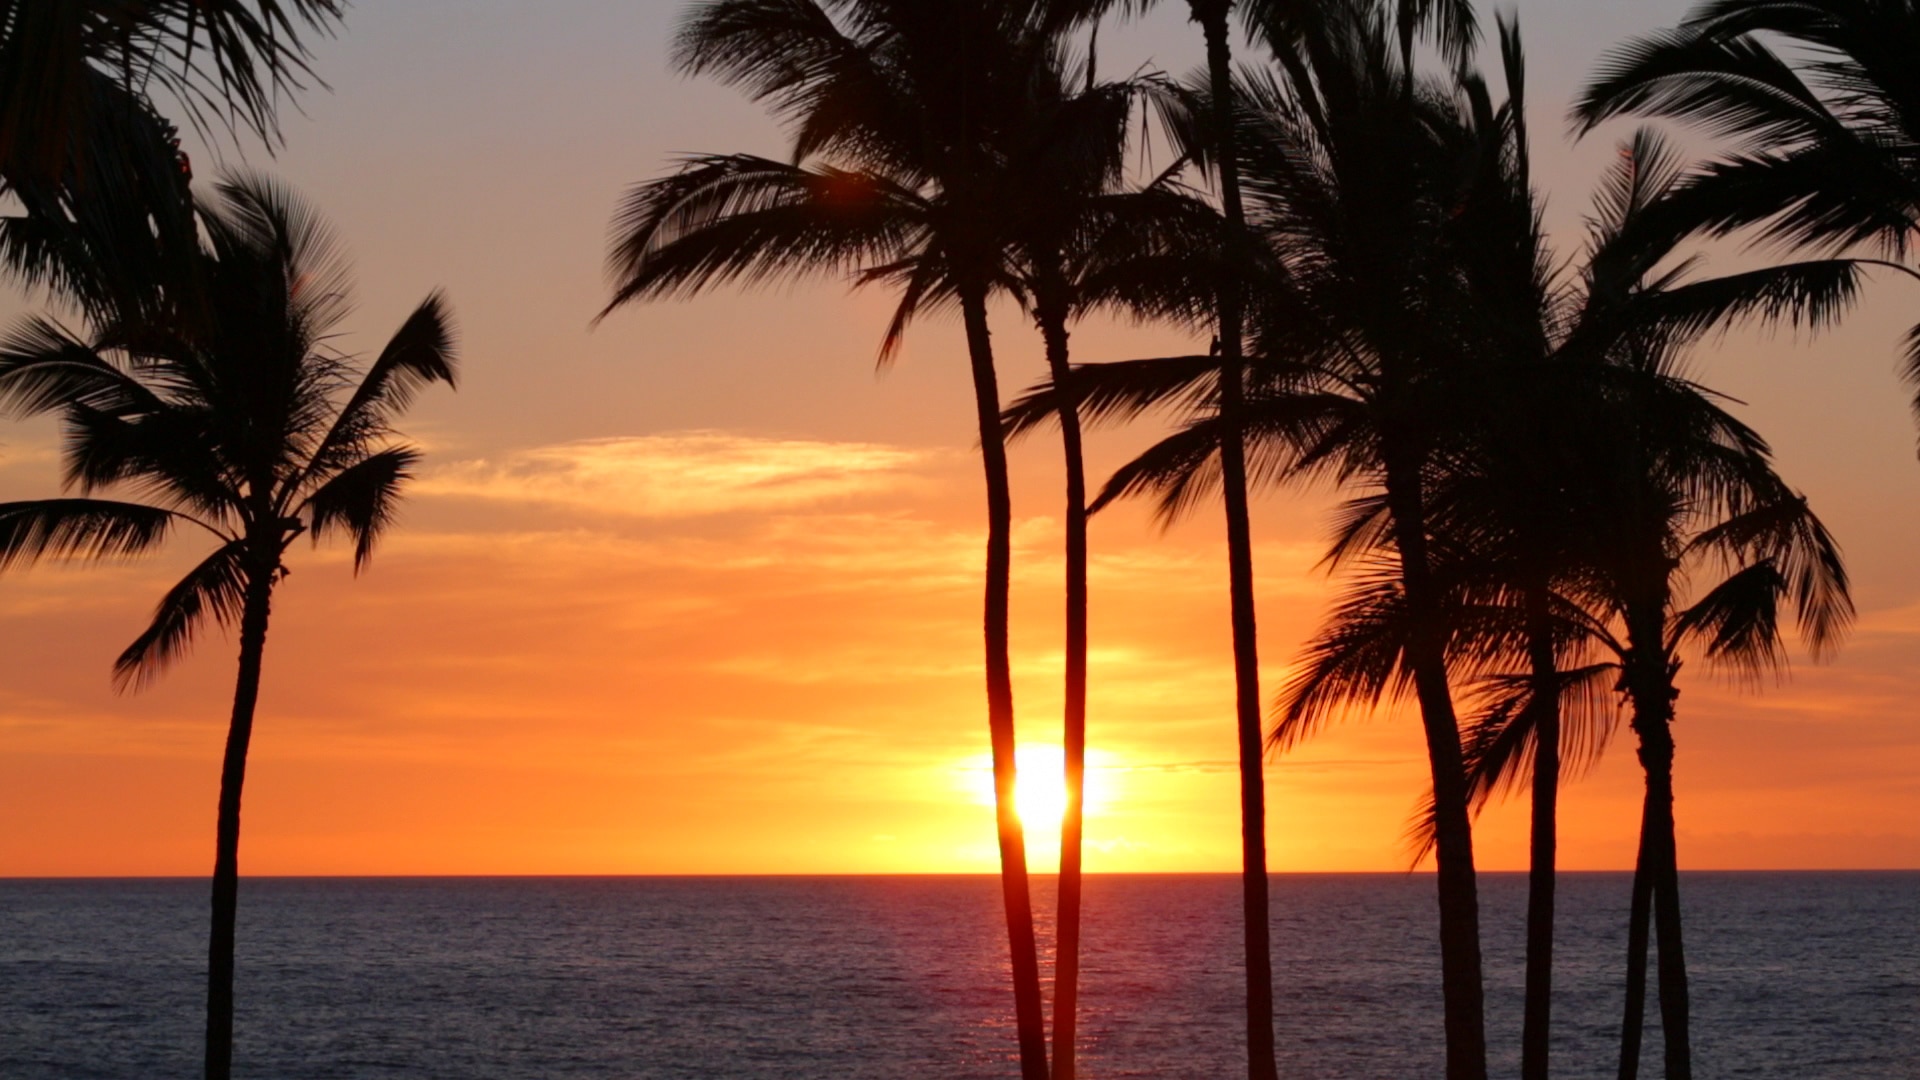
{"x":1040,"y":788}
{"x":1040,"y":794}
{"x":651,"y":627}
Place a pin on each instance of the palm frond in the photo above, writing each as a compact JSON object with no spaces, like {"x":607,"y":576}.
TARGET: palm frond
{"x":214,"y":589}
{"x":419,"y":354}
{"x":87,"y":529}
{"x":1118,"y":391}
{"x":1729,"y":87}
{"x":726,"y":218}
{"x":45,"y":368}
{"x":361,"y":500}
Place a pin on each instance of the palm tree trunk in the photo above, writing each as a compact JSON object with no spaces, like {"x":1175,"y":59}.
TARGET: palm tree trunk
{"x":1536,"y":1027}
{"x":1066,"y":962}
{"x":1650,"y":684}
{"x":226,"y":859}
{"x":1639,"y":918}
{"x":1460,"y":974}
{"x":1028,"y":1017}
{"x":1261,"y":1065}
{"x":1674,"y":1024}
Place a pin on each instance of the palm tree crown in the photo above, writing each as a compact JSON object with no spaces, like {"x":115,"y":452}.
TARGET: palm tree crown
{"x":231,"y":412}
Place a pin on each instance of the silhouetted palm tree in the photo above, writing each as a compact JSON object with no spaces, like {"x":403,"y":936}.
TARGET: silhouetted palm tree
{"x":901,"y":112}
{"x":1079,"y":241}
{"x":1076,"y":240}
{"x":83,"y":147}
{"x":1517,"y":505}
{"x":1280,"y":23}
{"x":1825,"y":139}
{"x":1373,"y":348}
{"x":236,"y":415}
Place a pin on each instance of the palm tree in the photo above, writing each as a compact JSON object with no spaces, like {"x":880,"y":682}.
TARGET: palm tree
{"x":234,"y":414}
{"x":1373,"y":346}
{"x":1517,"y":507}
{"x":1280,"y":23}
{"x":1368,"y":265}
{"x":1076,"y":240}
{"x":1079,"y":241}
{"x":64,"y":66}
{"x":83,"y":148}
{"x":1665,"y":521}
{"x":902,"y":113}
{"x":1825,"y":147}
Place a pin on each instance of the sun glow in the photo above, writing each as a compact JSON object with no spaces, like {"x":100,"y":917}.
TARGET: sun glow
{"x":1040,"y":794}
{"x":1040,"y":791}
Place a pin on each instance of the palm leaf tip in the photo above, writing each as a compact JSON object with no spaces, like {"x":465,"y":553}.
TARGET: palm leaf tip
{"x":86,"y":529}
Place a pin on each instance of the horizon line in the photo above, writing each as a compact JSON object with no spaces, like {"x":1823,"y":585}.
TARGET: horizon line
{"x":985,"y":874}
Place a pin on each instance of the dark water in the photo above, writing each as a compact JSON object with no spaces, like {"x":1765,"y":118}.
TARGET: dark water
{"x":1794,"y":975}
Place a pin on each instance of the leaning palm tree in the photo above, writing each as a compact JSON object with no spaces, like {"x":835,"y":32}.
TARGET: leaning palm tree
{"x":232,"y":414}
{"x":900,"y":112}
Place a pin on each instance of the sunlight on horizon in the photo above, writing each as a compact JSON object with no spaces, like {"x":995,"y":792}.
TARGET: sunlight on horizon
{"x":1040,"y":794}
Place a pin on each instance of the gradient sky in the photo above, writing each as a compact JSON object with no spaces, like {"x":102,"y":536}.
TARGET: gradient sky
{"x":697,"y":591}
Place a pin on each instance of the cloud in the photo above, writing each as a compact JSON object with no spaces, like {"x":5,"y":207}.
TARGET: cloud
{"x":679,"y":475}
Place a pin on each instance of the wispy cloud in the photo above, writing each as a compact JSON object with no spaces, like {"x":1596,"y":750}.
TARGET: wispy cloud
{"x":679,"y":475}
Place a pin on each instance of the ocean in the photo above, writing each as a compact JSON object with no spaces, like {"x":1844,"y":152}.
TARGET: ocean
{"x":1804,"y":976}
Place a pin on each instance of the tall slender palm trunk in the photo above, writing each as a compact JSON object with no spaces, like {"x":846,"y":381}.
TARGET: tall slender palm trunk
{"x":1639,"y":920}
{"x":1650,"y":686}
{"x":1066,"y":962}
{"x":1675,"y":1024}
{"x":1537,"y":1024}
{"x":1460,"y":972}
{"x":1261,"y":1064}
{"x":1028,"y":1017}
{"x":226,"y":858}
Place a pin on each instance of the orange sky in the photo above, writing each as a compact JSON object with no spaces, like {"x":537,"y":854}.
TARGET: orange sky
{"x":697,"y":592}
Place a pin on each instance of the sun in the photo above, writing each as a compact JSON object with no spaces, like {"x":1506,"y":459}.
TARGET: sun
{"x":1040,"y":788}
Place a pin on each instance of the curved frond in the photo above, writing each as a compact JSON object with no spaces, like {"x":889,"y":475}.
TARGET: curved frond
{"x":421,"y":353}
{"x":361,"y":500}
{"x":743,"y":218}
{"x":1118,"y":391}
{"x":1726,"y":86}
{"x":214,"y":589}
{"x":87,"y":529}
{"x":44,"y":368}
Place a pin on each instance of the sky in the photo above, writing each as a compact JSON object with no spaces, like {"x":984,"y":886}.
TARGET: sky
{"x":697,"y":590}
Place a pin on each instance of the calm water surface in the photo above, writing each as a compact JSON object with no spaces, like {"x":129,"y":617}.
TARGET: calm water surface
{"x":1794,"y":975}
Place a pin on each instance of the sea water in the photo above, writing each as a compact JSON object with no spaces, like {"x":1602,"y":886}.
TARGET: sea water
{"x":1803,"y":976}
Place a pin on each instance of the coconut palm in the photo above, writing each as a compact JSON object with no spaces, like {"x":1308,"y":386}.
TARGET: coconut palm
{"x":901,"y":113}
{"x":1079,"y":241}
{"x":234,"y":415}
{"x":83,"y":148}
{"x":1824,"y":140}
{"x":1400,"y":237}
{"x":1280,"y":23}
{"x":1076,"y":240}
{"x":1664,"y":522}
{"x":1515,"y":511}
{"x":1314,"y":298}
